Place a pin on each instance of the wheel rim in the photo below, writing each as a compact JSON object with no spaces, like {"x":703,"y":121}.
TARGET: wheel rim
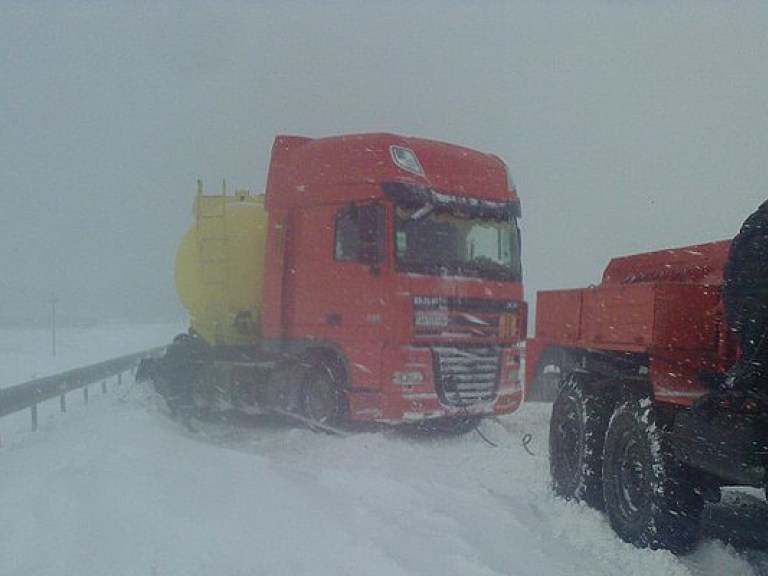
{"x":320,"y":398}
{"x":631,"y":480}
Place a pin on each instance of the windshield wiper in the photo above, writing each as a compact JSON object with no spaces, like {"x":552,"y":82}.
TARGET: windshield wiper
{"x":425,"y":210}
{"x":488,"y":268}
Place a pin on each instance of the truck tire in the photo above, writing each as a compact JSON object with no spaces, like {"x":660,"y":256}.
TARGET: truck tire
{"x":650,"y":498}
{"x":321,"y":395}
{"x":576,"y":433}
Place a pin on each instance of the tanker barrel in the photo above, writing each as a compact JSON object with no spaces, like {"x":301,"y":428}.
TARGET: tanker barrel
{"x":219,"y":268}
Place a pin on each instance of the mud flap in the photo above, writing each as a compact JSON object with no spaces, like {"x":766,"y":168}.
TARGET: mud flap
{"x":730,"y":445}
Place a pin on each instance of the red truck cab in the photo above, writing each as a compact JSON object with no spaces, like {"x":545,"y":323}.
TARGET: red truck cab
{"x":399,"y":259}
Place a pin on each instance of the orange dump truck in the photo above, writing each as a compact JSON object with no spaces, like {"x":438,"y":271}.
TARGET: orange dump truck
{"x":626,"y":360}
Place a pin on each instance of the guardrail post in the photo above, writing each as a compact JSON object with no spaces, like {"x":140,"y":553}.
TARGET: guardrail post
{"x":120,"y":379}
{"x":103,"y":386}
{"x":85,"y":394}
{"x":33,"y":411}
{"x":63,"y":402}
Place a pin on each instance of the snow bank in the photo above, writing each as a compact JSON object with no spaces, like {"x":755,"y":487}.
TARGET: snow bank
{"x":117,"y":488}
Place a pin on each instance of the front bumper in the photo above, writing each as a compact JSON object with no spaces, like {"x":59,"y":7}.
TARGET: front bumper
{"x":423,"y":383}
{"x":405,"y":408}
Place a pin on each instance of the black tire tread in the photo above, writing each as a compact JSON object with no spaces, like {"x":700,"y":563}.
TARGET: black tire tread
{"x":669,"y":515}
{"x":581,"y":412}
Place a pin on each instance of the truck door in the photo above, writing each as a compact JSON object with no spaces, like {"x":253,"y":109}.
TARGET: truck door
{"x":356,"y":272}
{"x":336,"y":278}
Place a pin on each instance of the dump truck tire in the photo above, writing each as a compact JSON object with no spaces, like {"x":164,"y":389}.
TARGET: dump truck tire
{"x":577,"y":431}
{"x":650,"y":497}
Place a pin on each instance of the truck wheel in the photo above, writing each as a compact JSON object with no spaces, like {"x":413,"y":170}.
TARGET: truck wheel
{"x":283,"y":388}
{"x":649,"y":497}
{"x":321,"y":395}
{"x":576,"y":433}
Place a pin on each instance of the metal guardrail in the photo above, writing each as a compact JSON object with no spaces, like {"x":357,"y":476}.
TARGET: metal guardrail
{"x":30,"y":394}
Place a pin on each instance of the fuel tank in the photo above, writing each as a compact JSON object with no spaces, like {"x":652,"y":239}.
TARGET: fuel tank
{"x":219,"y":269}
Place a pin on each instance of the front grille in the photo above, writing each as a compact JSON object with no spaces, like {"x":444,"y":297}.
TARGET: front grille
{"x":466,"y":318}
{"x":466,"y":375}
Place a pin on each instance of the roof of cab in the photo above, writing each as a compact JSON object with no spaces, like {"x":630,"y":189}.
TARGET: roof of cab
{"x":306,"y":171}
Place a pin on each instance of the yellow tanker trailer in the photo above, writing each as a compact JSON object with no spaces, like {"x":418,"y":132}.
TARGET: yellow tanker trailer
{"x":219,"y":269}
{"x":219,"y":276}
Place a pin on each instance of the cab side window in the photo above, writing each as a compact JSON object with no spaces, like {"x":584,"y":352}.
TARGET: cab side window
{"x":347,"y":242}
{"x":359,"y":234}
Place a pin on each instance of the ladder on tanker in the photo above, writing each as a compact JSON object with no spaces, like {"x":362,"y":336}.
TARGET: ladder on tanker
{"x":210,"y":213}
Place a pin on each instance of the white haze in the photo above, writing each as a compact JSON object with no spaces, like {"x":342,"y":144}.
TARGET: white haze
{"x":628,"y":126}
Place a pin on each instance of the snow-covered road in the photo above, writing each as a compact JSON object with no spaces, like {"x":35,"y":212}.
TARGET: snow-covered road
{"x":117,"y":488}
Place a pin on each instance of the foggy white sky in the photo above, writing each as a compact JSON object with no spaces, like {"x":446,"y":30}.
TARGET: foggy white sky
{"x":628,"y":126}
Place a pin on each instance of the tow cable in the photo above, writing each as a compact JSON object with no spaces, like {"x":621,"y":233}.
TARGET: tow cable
{"x":484,"y":437}
{"x":526,"y":439}
{"x":309,"y":422}
{"x":467,"y":415}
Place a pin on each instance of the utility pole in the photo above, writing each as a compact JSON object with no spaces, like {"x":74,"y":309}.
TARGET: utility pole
{"x":53,"y":301}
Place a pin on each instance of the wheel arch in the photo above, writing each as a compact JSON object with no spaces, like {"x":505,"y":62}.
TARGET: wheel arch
{"x":615,"y":374}
{"x":321,"y":351}
{"x":561,"y":359}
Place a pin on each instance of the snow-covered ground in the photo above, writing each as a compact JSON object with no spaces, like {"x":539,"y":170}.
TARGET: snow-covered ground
{"x":117,"y":488}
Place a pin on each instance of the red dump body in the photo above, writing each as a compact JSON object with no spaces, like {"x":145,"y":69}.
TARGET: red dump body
{"x":664,"y":304}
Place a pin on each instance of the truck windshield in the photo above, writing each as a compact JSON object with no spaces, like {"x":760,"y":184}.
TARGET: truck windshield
{"x":444,"y":243}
